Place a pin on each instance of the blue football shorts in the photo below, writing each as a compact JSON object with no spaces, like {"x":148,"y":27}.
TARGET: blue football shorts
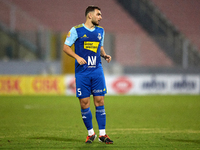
{"x":90,"y":85}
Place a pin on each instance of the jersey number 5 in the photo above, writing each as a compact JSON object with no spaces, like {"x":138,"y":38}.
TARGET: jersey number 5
{"x":79,"y":91}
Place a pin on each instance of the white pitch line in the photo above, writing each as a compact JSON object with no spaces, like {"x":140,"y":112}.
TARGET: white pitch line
{"x":154,"y":130}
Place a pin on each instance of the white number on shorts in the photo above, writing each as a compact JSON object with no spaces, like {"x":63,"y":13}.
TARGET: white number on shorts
{"x":79,"y":91}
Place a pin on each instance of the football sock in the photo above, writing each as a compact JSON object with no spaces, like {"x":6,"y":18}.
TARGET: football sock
{"x":91,"y":132}
{"x":102,"y":132}
{"x":87,"y":119}
{"x":101,"y":119}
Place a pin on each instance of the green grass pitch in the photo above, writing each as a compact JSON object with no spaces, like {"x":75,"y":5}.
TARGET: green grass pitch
{"x":133,"y":122}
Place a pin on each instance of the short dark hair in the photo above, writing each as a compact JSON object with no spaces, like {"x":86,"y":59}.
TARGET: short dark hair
{"x":91,"y":8}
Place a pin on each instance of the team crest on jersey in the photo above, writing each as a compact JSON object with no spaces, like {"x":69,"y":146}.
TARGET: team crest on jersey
{"x":99,"y":36}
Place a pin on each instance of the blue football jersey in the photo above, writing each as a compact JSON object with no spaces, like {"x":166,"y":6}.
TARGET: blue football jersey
{"x":87,"y":45}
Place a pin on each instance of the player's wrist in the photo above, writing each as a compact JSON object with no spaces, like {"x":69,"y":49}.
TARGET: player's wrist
{"x":103,"y":56}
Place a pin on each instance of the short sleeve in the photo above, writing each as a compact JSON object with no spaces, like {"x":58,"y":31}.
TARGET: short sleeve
{"x":71,"y":37}
{"x":102,"y":40}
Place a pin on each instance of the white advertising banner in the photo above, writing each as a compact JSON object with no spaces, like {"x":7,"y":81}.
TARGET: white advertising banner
{"x":70,"y":85}
{"x":185,"y":84}
{"x":137,"y":84}
{"x":145,"y":84}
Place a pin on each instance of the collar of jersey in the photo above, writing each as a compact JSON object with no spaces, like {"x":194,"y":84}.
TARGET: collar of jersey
{"x":88,"y":28}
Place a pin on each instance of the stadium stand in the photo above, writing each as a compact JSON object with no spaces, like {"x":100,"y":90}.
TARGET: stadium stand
{"x":184,"y":15}
{"x":133,"y":46}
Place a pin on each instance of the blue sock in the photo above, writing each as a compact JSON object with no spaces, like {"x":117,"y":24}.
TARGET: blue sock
{"x":101,"y":117}
{"x":87,"y":118}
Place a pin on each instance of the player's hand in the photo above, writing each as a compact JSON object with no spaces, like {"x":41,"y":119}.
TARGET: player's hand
{"x":107,"y":58}
{"x":81,"y":61}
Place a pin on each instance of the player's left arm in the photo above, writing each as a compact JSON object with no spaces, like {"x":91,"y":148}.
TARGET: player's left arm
{"x":104,"y":55}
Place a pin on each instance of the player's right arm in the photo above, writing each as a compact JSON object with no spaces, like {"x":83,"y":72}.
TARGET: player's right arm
{"x":67,"y":49}
{"x":70,"y":40}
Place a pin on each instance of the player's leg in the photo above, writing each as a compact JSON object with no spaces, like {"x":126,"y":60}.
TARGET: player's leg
{"x":100,"y":114}
{"x":101,"y":119}
{"x":98,"y":91}
{"x":86,"y":114}
{"x":87,"y":118}
{"x":83,"y":91}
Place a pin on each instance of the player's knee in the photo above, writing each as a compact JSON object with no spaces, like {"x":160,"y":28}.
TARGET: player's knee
{"x":85,"y":103}
{"x":99,"y":101}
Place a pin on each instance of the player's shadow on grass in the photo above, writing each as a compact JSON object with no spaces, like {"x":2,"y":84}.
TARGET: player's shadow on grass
{"x":55,"y":139}
{"x":185,"y":141}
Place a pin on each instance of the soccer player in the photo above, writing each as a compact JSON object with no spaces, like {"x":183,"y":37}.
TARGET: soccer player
{"x":88,"y":39}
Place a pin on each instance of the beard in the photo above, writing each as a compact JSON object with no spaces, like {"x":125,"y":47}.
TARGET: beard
{"x":95,"y":23}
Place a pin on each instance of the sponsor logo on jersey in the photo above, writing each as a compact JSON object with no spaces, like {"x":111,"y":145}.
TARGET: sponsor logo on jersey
{"x":97,"y":91}
{"x":92,"y":61}
{"x":91,"y":46}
